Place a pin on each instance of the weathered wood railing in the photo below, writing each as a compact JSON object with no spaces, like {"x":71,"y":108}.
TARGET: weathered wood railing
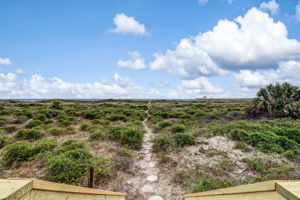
{"x":26,"y":189}
{"x":270,"y":190}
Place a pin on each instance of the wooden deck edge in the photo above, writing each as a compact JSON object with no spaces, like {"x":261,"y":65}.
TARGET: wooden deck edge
{"x":19,"y":192}
{"x":267,"y":186}
{"x":285,"y":193}
{"x":60,"y":187}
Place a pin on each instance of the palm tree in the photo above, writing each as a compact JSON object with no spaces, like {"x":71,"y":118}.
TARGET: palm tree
{"x":274,"y":99}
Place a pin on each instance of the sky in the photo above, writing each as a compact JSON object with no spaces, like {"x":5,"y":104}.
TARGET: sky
{"x":140,"y":49}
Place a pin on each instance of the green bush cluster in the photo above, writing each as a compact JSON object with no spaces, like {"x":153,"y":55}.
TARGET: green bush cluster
{"x":56,"y":131}
{"x":33,"y":123}
{"x":178,"y":128}
{"x":20,"y":151}
{"x":96,"y":136}
{"x":69,"y":163}
{"x":211,"y":184}
{"x":4,"y":141}
{"x":29,"y":134}
{"x":165,"y":143}
{"x":126,"y":135}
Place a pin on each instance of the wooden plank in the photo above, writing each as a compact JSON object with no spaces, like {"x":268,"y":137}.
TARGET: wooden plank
{"x":53,"y":195}
{"x":256,"y":187}
{"x":273,"y":195}
{"x":290,"y":190}
{"x":58,"y":187}
{"x":14,"y":189}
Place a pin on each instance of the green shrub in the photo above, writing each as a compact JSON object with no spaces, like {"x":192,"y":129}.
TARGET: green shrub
{"x":16,"y":153}
{"x":84,"y":127}
{"x":178,"y":128}
{"x":132,"y":137}
{"x":162,"y":144}
{"x":279,"y":100}
{"x":41,"y":117}
{"x":104,"y":169}
{"x":254,"y":164}
{"x":116,"y":117}
{"x":182,"y":139}
{"x":2,"y":121}
{"x":92,"y":115}
{"x":70,"y":130}
{"x":96,"y":136}
{"x":29,"y":134}
{"x":165,"y":124}
{"x":242,"y":146}
{"x":21,"y":119}
{"x":4,"y":141}
{"x":65,"y":170}
{"x":293,"y":109}
{"x":115,"y":132}
{"x":69,"y":163}
{"x":56,"y":131}
{"x":44,"y":145}
{"x":10,"y":129}
{"x":33,"y":123}
{"x":70,"y":145}
{"x":211,"y":184}
{"x":93,"y":129}
{"x":57,"y":105}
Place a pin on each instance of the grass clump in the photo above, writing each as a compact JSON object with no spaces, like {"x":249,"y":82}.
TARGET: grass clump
{"x":182,"y":139}
{"x":10,"y":129}
{"x":165,"y":124}
{"x":104,"y":170}
{"x":178,"y":128}
{"x":29,"y":134}
{"x":211,"y":184}
{"x":96,"y":136}
{"x":162,"y":144}
{"x":69,"y":163}
{"x":33,"y":123}
{"x":56,"y":131}
{"x":4,"y":140}
{"x":84,"y":127}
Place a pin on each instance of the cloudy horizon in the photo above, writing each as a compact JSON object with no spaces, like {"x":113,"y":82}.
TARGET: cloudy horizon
{"x":136,"y":50}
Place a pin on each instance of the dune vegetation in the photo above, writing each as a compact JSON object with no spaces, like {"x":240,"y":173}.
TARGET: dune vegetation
{"x":198,"y":145}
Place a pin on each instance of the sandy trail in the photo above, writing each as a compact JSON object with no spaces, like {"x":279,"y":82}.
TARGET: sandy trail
{"x":146,"y":184}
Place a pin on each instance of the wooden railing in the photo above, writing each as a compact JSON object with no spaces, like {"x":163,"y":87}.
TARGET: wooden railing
{"x":270,"y":190}
{"x":27,"y":189}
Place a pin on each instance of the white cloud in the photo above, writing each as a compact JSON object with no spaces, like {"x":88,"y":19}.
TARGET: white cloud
{"x":202,"y":2}
{"x":201,"y":84}
{"x":19,"y":71}
{"x":298,"y":11}
{"x":160,"y":84}
{"x":128,"y":25}
{"x":136,"y":62}
{"x":286,"y":71}
{"x":5,"y":61}
{"x":271,"y":6}
{"x":250,"y":41}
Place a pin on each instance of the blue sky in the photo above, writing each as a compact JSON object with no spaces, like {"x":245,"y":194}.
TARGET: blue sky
{"x":146,"y":48}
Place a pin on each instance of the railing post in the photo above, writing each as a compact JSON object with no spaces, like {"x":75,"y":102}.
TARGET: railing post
{"x":91,"y":178}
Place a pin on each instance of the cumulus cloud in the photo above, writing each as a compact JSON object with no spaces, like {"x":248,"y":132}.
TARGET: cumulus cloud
{"x":286,"y":71}
{"x":271,"y":6}
{"x":298,"y":12}
{"x":128,"y":25}
{"x":20,"y":71}
{"x":5,"y":61}
{"x":254,"y":40}
{"x":160,"y":84}
{"x":136,"y":62}
{"x":202,"y":2}
{"x":201,"y":84}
